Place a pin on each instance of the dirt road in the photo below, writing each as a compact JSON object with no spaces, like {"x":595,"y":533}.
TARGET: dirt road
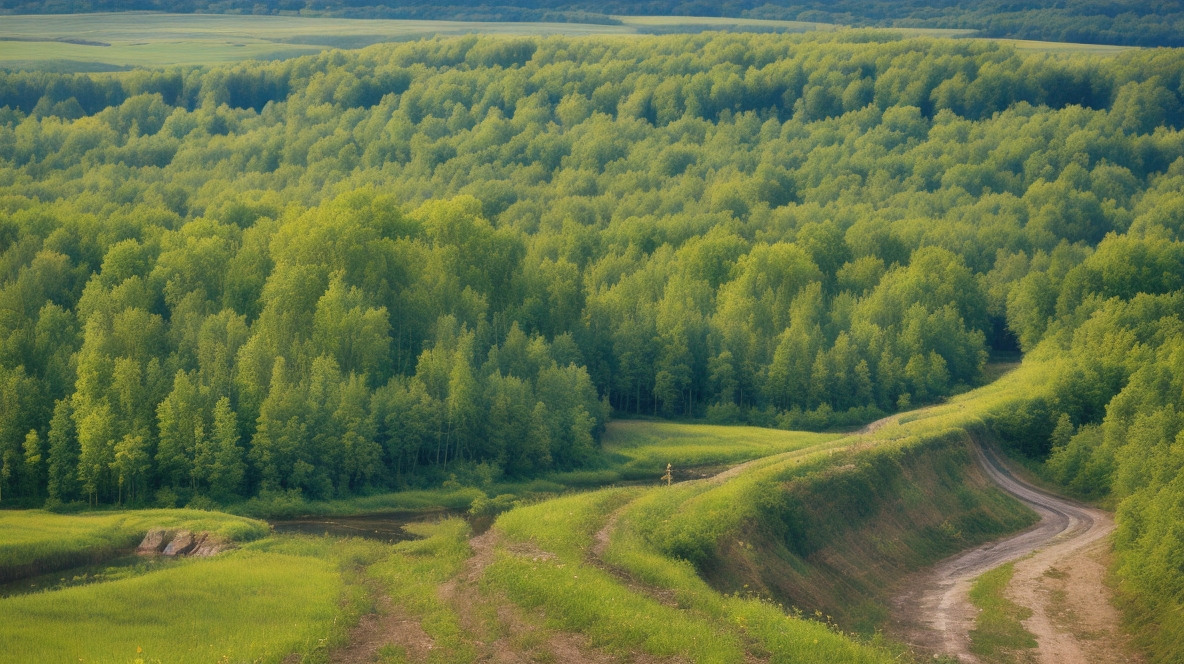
{"x":1062,"y":583}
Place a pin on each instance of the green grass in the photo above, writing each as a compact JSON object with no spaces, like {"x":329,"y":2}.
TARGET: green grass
{"x":32,"y":542}
{"x":580,"y":597}
{"x":412,"y":574}
{"x":145,"y":39}
{"x":701,"y":626}
{"x":999,"y":634}
{"x":271,"y":597}
{"x":242,"y":606}
{"x":643,"y":448}
{"x":289,"y":505}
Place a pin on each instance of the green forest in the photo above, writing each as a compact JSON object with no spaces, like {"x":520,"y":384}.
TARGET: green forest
{"x":357,"y":272}
{"x":1129,"y":22}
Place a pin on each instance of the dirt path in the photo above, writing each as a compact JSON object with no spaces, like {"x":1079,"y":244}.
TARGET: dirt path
{"x":1061,"y":583}
{"x":388,"y":626}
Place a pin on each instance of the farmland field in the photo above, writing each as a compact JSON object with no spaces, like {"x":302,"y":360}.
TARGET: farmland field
{"x":87,"y":42}
{"x":152,"y":40}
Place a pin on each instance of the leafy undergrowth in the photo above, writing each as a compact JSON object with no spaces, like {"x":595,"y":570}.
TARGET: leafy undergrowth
{"x":34,"y":542}
{"x":999,"y":634}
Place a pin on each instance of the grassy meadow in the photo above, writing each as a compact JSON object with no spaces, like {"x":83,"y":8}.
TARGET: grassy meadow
{"x":155,"y":39}
{"x":34,"y":542}
{"x":269,"y":598}
{"x":240,"y":606}
{"x":94,"y":42}
{"x":643,"y":448}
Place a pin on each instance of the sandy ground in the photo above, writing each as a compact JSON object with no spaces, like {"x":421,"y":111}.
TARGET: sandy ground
{"x":1060,"y":580}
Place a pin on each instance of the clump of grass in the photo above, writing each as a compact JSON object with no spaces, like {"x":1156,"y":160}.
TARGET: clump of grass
{"x":999,"y":633}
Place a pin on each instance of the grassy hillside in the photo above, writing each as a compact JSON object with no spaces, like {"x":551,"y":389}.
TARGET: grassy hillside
{"x":834,"y":526}
{"x":243,"y":606}
{"x":643,"y":448}
{"x":35,"y":542}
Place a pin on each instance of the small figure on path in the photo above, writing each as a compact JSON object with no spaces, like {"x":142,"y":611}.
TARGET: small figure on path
{"x":669,"y":476}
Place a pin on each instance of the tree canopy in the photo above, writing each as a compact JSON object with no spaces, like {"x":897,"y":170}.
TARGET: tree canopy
{"x":366,"y":270}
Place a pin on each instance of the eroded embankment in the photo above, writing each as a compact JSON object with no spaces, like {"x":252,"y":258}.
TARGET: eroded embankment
{"x":839,"y":540}
{"x":1071,"y":618}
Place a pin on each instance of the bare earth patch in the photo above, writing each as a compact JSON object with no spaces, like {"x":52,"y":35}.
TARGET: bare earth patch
{"x":1073,"y":618}
{"x":389,"y":626}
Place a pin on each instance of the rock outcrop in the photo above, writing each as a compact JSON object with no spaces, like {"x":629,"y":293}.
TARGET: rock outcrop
{"x":181,"y":544}
{"x":210,"y":545}
{"x":155,"y":541}
{"x":160,"y":541}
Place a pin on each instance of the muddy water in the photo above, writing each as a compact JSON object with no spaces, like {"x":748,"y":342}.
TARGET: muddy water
{"x":385,"y":527}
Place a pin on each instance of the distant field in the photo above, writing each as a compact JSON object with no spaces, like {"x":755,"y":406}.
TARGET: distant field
{"x":151,"y":39}
{"x":112,"y":41}
{"x":643,"y":445}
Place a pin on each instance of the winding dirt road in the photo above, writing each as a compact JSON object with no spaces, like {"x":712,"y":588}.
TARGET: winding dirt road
{"x":1061,"y":583}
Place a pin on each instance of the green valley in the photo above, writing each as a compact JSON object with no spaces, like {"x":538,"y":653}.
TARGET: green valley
{"x":608,"y":338}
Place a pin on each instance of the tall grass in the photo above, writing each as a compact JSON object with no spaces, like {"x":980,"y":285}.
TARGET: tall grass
{"x":644,"y":448}
{"x":412,"y":574}
{"x":243,"y":606}
{"x":699,"y":625}
{"x":34,"y":542}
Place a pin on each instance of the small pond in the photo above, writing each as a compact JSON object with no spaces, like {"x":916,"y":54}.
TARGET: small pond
{"x":385,"y":527}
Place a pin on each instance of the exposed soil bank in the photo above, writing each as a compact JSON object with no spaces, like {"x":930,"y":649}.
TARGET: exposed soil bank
{"x":839,"y":539}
